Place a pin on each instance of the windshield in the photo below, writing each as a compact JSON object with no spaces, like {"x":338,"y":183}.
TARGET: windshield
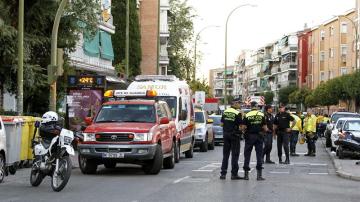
{"x":199,"y":117}
{"x":336,"y":117}
{"x":171,"y":101}
{"x":352,"y":126}
{"x":217,"y":120}
{"x":340,"y":124}
{"x":127,"y":113}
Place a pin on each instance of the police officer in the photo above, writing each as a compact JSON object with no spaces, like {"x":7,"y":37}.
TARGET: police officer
{"x":294,"y":136}
{"x":310,"y":132}
{"x":254,"y":123}
{"x":268,"y":139}
{"x":283,"y":128}
{"x":231,"y":120}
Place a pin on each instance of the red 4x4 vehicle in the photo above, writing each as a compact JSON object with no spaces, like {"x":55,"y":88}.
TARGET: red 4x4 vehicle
{"x":130,"y":131}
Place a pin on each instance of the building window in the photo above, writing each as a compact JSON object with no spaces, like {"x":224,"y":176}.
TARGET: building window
{"x":343,"y":71}
{"x":322,"y":35}
{"x":331,"y":52}
{"x":343,"y":50}
{"x":322,"y":56}
{"x":322,"y":76}
{"x":331,"y":30}
{"x":331,"y":75}
{"x":311,"y":58}
{"x":343,"y":28}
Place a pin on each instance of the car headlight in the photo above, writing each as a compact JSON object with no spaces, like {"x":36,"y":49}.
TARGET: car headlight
{"x":200,"y":130}
{"x":142,"y":137}
{"x":89,"y":137}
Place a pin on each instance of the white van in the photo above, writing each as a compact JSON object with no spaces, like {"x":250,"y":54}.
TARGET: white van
{"x":2,"y":150}
{"x":178,"y":96}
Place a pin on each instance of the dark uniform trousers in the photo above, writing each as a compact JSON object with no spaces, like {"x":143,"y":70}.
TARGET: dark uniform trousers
{"x":283,"y":139}
{"x":231,"y":144}
{"x":293,"y":141}
{"x":268,"y":142}
{"x":257,"y":141}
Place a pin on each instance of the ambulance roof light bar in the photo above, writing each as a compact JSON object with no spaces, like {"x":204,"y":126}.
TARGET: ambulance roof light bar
{"x":156,"y":78}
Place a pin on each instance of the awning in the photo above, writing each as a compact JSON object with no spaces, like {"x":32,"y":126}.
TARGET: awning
{"x":107,"y":51}
{"x":113,"y":79}
{"x":91,"y":45}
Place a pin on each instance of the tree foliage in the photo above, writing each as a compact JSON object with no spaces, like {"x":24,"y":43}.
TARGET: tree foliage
{"x":119,"y":14}
{"x":284,"y":94}
{"x":181,"y":30}
{"x":198,"y":85}
{"x":38,"y":21}
{"x":269,"y":97}
{"x":299,"y":96}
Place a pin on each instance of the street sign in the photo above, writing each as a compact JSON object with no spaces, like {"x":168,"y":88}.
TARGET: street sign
{"x":200,"y":97}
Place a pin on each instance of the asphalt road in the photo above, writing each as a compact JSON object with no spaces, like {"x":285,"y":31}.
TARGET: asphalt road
{"x":305,"y":179}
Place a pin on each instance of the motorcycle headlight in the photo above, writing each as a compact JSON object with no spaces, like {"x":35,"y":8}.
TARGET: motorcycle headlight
{"x":139,"y":137}
{"x":89,"y":137}
{"x":68,"y":140}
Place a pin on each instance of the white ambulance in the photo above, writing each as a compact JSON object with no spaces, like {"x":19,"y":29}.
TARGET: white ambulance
{"x":178,"y":96}
{"x":2,"y":151}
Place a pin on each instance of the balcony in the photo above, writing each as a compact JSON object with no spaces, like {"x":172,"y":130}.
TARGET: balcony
{"x":288,"y":49}
{"x":164,"y":5}
{"x":164,"y":59}
{"x":164,"y":30}
{"x":289,"y":66}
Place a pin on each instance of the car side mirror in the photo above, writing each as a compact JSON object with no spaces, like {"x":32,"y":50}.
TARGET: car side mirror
{"x":88,"y":120}
{"x":209,"y":121}
{"x":164,"y":120}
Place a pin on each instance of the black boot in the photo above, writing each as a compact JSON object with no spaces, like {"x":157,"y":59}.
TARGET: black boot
{"x":287,"y":161}
{"x":236,"y":177}
{"x":259,"y":176}
{"x":246,"y":175}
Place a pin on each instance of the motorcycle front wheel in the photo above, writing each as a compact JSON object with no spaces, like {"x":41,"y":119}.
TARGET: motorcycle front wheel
{"x":36,"y":177}
{"x":61,"y":178}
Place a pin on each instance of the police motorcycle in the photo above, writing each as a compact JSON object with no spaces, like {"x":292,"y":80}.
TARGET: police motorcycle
{"x":51,"y":151}
{"x":348,"y":144}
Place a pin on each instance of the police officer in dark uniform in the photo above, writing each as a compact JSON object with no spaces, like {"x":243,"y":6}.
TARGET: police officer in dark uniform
{"x":268,"y":139}
{"x":254,"y":124}
{"x":231,"y":120}
{"x":283,"y":129}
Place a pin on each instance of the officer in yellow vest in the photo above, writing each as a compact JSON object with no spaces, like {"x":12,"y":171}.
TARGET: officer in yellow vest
{"x":254,"y":124}
{"x":294,"y":136}
{"x":310,"y":132}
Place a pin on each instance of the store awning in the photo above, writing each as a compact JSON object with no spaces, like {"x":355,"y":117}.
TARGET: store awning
{"x":91,"y":45}
{"x":107,"y":51}
{"x":113,"y":79}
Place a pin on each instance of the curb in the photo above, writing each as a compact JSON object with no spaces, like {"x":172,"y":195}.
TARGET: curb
{"x":338,"y":167}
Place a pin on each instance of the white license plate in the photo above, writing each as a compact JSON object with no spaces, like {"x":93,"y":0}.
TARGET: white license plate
{"x":113,"y":155}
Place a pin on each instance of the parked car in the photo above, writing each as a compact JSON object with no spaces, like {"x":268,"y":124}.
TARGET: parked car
{"x":130,"y":131}
{"x":218,"y":129}
{"x":336,"y":129}
{"x":349,"y":139}
{"x":2,"y":151}
{"x":334,"y":118}
{"x":204,"y":135}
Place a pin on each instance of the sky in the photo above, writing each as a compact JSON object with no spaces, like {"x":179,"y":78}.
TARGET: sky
{"x":254,"y":27}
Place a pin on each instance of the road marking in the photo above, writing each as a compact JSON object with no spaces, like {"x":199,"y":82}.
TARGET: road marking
{"x":181,"y":179}
{"x":279,"y":172}
{"x":241,"y":171}
{"x":318,"y":173}
{"x":318,"y":164}
{"x":202,"y":170}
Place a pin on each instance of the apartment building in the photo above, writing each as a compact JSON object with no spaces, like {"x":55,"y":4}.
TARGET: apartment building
{"x":218,"y":78}
{"x":154,"y":42}
{"x":331,"y":50}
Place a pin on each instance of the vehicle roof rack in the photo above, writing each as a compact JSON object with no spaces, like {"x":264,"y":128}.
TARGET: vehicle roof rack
{"x":156,"y":78}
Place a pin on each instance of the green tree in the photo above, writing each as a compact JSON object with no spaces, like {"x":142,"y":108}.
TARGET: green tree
{"x":269,"y":97}
{"x":181,"y":34}
{"x":198,"y":85}
{"x":284,"y":94}
{"x":324,"y":97}
{"x":39,"y":17}
{"x":119,"y":15}
{"x":310,"y":100}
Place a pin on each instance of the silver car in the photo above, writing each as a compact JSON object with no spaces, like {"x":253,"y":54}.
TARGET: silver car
{"x":218,"y":129}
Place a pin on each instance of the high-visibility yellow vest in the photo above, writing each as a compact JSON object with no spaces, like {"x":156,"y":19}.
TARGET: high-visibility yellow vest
{"x":310,"y":124}
{"x":298,"y":123}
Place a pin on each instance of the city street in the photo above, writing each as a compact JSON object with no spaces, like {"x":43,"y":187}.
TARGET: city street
{"x":197,"y":179}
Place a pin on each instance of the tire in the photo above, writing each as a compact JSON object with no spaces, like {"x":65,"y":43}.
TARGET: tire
{"x":190,"y":153}
{"x":110,"y":165}
{"x":169,"y":162}
{"x":12,"y":169}
{"x":65,"y":168}
{"x":212,"y":144}
{"x":177,"y":152}
{"x":36,"y":177}
{"x":341,"y":153}
{"x":2,"y":168}
{"x":328,"y":140}
{"x":87,"y":166}
{"x":153,"y":167}
{"x":204,"y":145}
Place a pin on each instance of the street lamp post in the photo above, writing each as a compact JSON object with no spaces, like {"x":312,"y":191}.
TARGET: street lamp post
{"x":195,"y":53}
{"x":356,"y":40}
{"x":226,"y":35}
{"x":20,"y":71}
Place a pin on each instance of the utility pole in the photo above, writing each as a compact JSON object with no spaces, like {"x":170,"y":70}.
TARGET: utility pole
{"x":127,"y":39}
{"x":52,"y":73}
{"x":20,"y":71}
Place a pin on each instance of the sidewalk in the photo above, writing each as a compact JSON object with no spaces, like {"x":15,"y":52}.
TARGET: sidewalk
{"x":345,"y":168}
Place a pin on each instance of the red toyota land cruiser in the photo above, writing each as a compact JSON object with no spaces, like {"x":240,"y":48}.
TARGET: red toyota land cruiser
{"x":130,"y":131}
